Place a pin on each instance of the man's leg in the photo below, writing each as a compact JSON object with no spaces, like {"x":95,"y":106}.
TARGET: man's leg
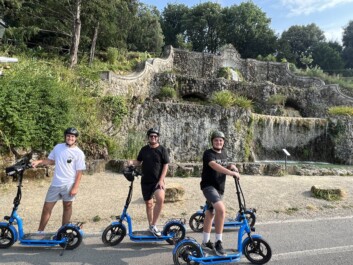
{"x":159,"y":196}
{"x":219,"y":224}
{"x":219,"y":217}
{"x":46,"y":213}
{"x":67,"y":212}
{"x":149,"y":211}
{"x":207,"y":223}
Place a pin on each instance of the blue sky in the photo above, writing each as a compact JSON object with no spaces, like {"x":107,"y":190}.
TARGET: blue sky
{"x":331,"y":16}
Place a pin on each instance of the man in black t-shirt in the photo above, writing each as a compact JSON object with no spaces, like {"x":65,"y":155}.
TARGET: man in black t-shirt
{"x":214,"y":171}
{"x":154,"y":159}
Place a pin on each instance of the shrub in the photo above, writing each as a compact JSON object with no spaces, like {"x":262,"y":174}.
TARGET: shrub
{"x":243,"y":102}
{"x":132,"y":146}
{"x":341,"y":110}
{"x":112,"y":55}
{"x":226,"y":99}
{"x":114,"y":108}
{"x":167,"y":92}
{"x":33,"y":111}
{"x":277,"y":99}
{"x":225,"y":73}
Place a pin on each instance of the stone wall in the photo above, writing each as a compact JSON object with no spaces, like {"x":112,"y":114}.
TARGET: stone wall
{"x":185,"y":128}
{"x":341,"y":130}
{"x":138,"y":84}
{"x":304,"y":138}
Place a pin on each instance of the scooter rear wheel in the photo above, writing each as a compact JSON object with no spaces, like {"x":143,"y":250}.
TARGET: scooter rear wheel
{"x":176,"y":231}
{"x":73,"y":235}
{"x":257,"y":251}
{"x":7,"y":237}
{"x":181,"y":255}
{"x":113,"y":234}
{"x":196,"y":222}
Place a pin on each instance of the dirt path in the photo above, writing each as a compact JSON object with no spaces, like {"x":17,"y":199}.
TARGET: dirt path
{"x":102,"y":196}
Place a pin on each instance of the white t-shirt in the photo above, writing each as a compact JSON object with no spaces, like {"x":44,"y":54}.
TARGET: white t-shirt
{"x":67,"y":161}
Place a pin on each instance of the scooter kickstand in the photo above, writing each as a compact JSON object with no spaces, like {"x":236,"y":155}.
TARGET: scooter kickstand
{"x":62,"y":251}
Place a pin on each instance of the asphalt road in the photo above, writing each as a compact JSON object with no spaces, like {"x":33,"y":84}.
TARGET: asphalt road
{"x":319,"y":241}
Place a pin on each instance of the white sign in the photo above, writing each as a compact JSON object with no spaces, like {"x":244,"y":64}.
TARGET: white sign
{"x":286,"y":152}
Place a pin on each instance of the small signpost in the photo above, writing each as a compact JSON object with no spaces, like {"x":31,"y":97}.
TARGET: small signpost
{"x":286,"y":155}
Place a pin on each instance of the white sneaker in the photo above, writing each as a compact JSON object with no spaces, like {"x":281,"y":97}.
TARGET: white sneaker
{"x":154,"y":230}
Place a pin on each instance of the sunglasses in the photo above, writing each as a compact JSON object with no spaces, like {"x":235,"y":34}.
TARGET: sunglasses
{"x":153,"y":136}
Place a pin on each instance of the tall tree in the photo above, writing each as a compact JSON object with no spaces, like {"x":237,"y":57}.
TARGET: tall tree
{"x":76,"y":33}
{"x":299,"y":40}
{"x":348,"y":45}
{"x":202,"y":26}
{"x":171,"y":22}
{"x":248,"y":29}
{"x":146,"y":34}
{"x":327,"y":57}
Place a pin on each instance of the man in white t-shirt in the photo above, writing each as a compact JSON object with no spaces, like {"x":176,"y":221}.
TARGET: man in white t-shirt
{"x":69,"y":161}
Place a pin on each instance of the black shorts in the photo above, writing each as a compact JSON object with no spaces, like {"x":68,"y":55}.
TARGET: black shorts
{"x":148,"y":190}
{"x":212,"y":196}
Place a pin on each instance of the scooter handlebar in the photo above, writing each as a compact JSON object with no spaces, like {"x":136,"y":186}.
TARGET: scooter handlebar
{"x":19,"y":166}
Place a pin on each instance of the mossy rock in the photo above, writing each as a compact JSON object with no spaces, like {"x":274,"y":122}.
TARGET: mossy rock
{"x":328,"y":194}
{"x":174,"y":193}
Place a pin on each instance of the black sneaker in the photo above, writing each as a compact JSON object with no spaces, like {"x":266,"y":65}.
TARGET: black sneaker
{"x":208,"y":245}
{"x":219,"y":251}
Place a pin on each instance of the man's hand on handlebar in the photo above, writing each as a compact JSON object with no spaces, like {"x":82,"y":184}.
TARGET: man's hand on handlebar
{"x":235,"y":171}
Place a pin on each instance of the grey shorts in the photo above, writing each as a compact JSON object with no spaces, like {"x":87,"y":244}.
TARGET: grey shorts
{"x":212,"y":196}
{"x":55,"y":194}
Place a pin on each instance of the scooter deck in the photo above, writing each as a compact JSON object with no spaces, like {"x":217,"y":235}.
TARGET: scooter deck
{"x":142,"y":233}
{"x":38,"y":236}
{"x":210,"y":257}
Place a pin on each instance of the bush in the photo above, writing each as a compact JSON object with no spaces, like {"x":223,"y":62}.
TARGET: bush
{"x":225,"y":73}
{"x":226,"y":99}
{"x":167,"y":92}
{"x":341,"y":110}
{"x":277,"y":99}
{"x":33,"y":111}
{"x":112,"y":55}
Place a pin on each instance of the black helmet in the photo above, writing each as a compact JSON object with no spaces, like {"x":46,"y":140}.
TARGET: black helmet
{"x":153,"y":130}
{"x":72,"y":131}
{"x":217,"y":134}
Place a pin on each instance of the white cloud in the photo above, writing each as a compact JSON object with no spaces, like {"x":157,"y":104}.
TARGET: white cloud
{"x":306,"y":7}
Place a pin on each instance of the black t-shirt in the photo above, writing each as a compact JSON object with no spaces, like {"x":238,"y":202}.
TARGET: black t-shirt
{"x":153,"y":160}
{"x":209,"y":176}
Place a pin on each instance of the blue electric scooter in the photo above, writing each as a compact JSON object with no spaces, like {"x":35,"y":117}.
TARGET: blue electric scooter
{"x":68,"y":236}
{"x":255,"y":249}
{"x":196,"y":220}
{"x":173,"y":230}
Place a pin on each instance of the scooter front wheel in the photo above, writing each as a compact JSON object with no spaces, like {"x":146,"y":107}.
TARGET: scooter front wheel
{"x":176,"y":231}
{"x":7,"y":237}
{"x":72,"y":235}
{"x":113,"y":234}
{"x":196,"y":222}
{"x":181,"y":255}
{"x":257,"y":251}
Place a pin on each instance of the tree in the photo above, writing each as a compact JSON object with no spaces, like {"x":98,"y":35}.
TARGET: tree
{"x":146,"y":33}
{"x":76,"y":34}
{"x":327,"y":57}
{"x":248,"y":29}
{"x":299,"y":40}
{"x":203,"y":26}
{"x":348,"y":45}
{"x":171,"y":22}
